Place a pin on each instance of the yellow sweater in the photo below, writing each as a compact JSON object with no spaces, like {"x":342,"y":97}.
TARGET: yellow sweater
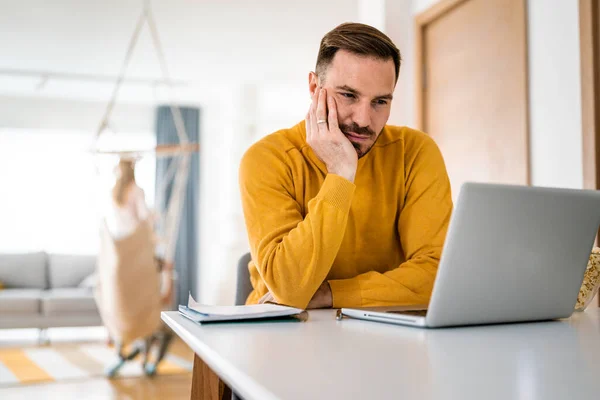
{"x":377,"y":241}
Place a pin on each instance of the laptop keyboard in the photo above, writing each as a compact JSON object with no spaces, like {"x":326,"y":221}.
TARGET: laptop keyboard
{"x":417,"y":313}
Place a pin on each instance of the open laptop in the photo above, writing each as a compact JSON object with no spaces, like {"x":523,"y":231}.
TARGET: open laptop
{"x":512,"y":254}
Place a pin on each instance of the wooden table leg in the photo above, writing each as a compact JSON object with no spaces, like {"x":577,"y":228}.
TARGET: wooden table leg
{"x":206,"y":385}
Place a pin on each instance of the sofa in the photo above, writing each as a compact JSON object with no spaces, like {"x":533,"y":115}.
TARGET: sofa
{"x":41,"y":290}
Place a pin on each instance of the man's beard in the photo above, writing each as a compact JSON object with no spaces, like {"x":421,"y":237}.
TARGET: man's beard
{"x":362,"y":131}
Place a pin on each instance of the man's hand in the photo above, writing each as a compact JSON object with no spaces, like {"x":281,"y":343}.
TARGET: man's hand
{"x":326,"y":139}
{"x":322,"y":298}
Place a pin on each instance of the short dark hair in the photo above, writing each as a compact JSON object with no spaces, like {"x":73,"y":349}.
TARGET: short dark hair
{"x":359,"y":39}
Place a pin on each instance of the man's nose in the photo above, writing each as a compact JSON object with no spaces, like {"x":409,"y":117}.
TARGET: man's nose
{"x":362,"y":114}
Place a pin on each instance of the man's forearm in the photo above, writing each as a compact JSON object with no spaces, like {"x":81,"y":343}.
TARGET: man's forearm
{"x":409,"y":284}
{"x":294,"y":262}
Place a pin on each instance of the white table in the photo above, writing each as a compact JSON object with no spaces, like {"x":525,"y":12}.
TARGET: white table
{"x":350,"y":359}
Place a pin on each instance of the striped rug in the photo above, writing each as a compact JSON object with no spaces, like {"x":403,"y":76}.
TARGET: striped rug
{"x":65,"y":362}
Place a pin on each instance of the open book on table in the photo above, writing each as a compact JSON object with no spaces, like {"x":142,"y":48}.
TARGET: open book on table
{"x":202,"y":313}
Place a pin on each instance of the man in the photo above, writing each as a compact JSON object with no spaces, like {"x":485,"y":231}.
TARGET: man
{"x":341,"y":209}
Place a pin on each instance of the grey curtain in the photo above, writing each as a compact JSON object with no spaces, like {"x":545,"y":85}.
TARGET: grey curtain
{"x":186,"y":253}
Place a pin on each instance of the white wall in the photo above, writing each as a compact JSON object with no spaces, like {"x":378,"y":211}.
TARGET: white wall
{"x":400,"y":27}
{"x":71,"y":115}
{"x":555,"y":93}
{"x":422,"y":5}
{"x":373,"y":12}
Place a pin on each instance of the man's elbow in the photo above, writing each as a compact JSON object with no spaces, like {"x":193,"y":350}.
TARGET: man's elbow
{"x":292,"y":297}
{"x":288,"y":289}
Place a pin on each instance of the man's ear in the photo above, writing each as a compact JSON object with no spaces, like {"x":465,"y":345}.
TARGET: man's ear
{"x":313,"y":82}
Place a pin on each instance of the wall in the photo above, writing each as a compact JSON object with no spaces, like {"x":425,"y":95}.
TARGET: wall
{"x":400,"y":27}
{"x":71,"y":115}
{"x":555,"y":91}
{"x":422,"y":5}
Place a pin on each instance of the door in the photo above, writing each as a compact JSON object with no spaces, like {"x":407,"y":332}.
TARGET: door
{"x":472,"y":88}
{"x":589,"y":30}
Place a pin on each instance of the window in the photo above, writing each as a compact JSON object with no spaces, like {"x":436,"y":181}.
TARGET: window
{"x":53,"y":189}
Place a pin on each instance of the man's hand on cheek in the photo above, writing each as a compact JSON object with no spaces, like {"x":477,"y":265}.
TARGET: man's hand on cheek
{"x":326,"y":139}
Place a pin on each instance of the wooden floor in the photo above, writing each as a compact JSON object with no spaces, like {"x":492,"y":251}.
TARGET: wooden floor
{"x":161,"y":387}
{"x":166,"y":387}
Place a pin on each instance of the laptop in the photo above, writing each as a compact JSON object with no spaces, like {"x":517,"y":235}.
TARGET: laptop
{"x":512,"y":254}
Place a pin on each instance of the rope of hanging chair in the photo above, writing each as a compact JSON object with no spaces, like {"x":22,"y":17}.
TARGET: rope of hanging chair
{"x":146,"y":16}
{"x":175,"y":111}
{"x":161,"y":188}
{"x":173,"y":217}
{"x":179,"y":167}
{"x":121,"y":76}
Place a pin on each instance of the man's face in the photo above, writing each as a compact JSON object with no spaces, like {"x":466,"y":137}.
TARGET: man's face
{"x":362,"y":87}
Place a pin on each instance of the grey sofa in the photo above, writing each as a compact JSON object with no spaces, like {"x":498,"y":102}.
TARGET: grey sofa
{"x":45,"y":290}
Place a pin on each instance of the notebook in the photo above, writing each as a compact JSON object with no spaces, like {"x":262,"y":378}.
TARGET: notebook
{"x":202,"y":313}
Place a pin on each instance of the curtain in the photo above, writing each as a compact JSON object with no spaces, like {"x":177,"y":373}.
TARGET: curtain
{"x":186,"y":253}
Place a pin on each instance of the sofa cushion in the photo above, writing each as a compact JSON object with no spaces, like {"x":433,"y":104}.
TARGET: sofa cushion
{"x":24,"y":271}
{"x":20,"y":301}
{"x":68,"y":270}
{"x":89,"y":282}
{"x":68,"y":300}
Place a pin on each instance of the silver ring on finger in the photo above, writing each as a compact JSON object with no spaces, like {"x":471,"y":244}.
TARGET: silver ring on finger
{"x":321,"y":121}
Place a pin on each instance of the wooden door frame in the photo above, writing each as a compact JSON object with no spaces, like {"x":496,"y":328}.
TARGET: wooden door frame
{"x":421,"y":21}
{"x":589,"y":39}
{"x":590,"y":91}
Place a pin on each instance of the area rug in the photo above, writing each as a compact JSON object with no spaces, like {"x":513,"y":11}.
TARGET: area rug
{"x":21,"y":366}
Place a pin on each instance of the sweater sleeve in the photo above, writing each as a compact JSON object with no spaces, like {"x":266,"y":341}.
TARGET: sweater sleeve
{"x":293,"y":253}
{"x":422,"y":228}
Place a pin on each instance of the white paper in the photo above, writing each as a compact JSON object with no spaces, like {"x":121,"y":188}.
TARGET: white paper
{"x":231,"y":311}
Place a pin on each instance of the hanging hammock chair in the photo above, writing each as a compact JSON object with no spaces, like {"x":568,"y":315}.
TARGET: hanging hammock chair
{"x":128,"y":292}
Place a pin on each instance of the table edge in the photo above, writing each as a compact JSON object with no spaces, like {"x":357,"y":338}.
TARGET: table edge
{"x":239,"y":382}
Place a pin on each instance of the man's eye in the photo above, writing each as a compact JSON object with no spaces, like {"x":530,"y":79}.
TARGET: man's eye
{"x":347,"y":95}
{"x":381,"y":102}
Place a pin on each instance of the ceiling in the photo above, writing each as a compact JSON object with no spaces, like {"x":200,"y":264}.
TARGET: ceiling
{"x":208,"y":44}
